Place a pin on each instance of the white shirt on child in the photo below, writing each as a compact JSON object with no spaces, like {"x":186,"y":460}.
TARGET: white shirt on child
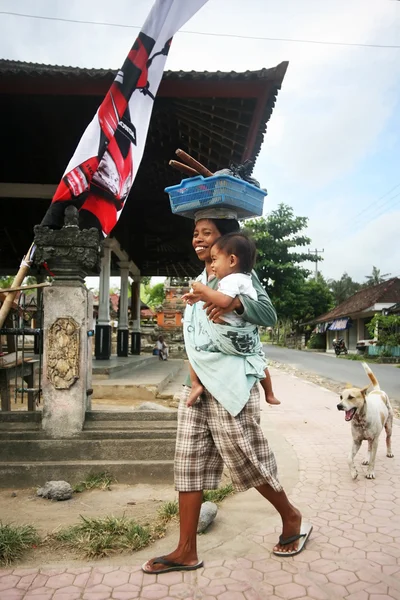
{"x":236,"y":284}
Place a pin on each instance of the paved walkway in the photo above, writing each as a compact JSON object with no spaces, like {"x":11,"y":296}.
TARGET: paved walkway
{"x":354,"y":553}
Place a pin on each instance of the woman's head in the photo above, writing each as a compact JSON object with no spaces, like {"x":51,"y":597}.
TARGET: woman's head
{"x":207,"y":231}
{"x":233,"y":253}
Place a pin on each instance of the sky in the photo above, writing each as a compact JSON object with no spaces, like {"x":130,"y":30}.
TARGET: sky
{"x":332,"y":147}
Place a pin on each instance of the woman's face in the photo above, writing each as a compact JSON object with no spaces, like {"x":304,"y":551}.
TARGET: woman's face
{"x":204,"y":235}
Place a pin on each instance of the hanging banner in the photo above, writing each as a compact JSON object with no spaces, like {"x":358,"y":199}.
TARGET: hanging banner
{"x":101,"y":173}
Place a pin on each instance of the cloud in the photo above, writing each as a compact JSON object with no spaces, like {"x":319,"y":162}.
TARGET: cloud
{"x":335,"y":104}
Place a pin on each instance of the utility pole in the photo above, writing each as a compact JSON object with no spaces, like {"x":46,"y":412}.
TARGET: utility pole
{"x":317,"y":253}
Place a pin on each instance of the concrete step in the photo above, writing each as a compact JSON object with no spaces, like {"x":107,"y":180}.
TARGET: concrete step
{"x":94,"y":449}
{"x":30,"y":474}
{"x":20,"y":421}
{"x":120,"y":366}
{"x":142,"y":384}
{"x":131,"y":425}
{"x":137,"y":415}
{"x":174,"y":386}
{"x":97,"y":434}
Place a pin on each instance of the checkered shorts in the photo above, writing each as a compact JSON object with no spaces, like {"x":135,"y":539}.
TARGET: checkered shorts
{"x":208,"y":436}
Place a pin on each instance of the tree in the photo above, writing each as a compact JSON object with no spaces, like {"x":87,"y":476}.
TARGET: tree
{"x":6,"y":282}
{"x":154,"y":296}
{"x":280,"y":256}
{"x":375,"y":278}
{"x":343,"y":288}
{"x":387,"y":328}
{"x":318,"y":298}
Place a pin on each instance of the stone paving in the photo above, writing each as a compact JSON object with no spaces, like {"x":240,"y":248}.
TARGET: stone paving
{"x":353,"y":554}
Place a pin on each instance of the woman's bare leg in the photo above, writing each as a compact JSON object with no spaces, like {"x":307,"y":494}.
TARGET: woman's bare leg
{"x":186,"y":551}
{"x":291,"y":517}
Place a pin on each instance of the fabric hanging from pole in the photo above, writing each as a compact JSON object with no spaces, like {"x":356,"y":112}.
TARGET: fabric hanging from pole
{"x":102,"y":170}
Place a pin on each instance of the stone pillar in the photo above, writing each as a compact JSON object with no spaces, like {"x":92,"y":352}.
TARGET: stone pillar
{"x":135,"y":312}
{"x":123,"y":325}
{"x":103,"y":327}
{"x":38,"y":341}
{"x":67,"y":362}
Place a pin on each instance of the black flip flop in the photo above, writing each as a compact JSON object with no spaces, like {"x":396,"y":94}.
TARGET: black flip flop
{"x":303,"y":536}
{"x":171,"y":566}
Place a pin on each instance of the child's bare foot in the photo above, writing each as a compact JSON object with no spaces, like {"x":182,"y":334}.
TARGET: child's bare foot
{"x":270,"y":398}
{"x":197,"y":390}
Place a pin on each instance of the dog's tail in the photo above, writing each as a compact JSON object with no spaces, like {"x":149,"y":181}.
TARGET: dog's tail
{"x":374,"y":381}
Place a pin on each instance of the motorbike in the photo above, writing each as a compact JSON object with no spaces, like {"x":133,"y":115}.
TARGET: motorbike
{"x":339,"y":346}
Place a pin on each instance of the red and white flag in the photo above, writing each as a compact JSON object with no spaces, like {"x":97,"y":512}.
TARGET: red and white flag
{"x":100,"y":174}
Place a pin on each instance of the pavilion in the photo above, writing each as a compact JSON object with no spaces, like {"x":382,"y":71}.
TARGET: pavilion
{"x":219,"y":118}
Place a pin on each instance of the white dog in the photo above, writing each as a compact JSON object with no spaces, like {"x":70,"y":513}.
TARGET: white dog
{"x":369,"y":414}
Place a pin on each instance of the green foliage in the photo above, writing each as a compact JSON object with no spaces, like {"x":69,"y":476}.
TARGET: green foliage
{"x":154,"y":295}
{"x":281,"y":253}
{"x":343,"y":288}
{"x":388,"y":328}
{"x":168,"y":511}
{"x":15,"y":540}
{"x":218,"y":495}
{"x":96,"y":538}
{"x":93,"y":481}
{"x":316,"y":342}
{"x":6,"y":282}
{"x":375,"y":278}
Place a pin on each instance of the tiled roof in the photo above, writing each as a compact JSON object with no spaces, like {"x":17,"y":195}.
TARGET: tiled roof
{"x":385,"y":292}
{"x":20,"y":67}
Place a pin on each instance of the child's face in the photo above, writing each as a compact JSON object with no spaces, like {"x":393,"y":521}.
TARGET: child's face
{"x":223,"y":264}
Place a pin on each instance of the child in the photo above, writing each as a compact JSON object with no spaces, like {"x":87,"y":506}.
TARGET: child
{"x":233,"y":257}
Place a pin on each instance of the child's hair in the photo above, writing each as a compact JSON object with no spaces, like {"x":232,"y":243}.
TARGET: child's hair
{"x":240,"y":245}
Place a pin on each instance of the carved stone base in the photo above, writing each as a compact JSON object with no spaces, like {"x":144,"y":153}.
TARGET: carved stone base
{"x":135,"y":342}
{"x":122,"y":342}
{"x":102,"y":348}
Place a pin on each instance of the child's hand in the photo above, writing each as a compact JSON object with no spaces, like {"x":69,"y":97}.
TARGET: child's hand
{"x":195,"y":294}
{"x":190,"y":298}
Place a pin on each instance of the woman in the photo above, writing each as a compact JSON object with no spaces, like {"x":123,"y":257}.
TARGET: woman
{"x":209,"y":436}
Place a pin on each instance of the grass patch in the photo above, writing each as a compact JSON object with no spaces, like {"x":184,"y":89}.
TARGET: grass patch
{"x":168,"y":511}
{"x":15,"y":540}
{"x":101,"y":481}
{"x":218,"y":495}
{"x":359,"y":357}
{"x":97,"y":538}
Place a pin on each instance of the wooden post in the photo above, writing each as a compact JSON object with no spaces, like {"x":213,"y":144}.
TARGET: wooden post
{"x":20,"y":276}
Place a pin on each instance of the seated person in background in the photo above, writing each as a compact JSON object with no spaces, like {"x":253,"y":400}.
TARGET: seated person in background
{"x":162,"y":348}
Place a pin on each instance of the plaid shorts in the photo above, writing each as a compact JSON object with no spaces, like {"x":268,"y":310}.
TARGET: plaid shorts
{"x":208,"y":436}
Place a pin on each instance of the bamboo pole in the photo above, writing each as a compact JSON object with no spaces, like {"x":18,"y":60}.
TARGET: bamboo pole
{"x":21,"y":288}
{"x":20,"y":276}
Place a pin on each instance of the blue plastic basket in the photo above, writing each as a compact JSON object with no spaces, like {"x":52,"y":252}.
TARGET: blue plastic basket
{"x":225,"y":191}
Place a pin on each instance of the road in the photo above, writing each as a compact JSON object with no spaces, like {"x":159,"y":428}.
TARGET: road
{"x":341,"y":370}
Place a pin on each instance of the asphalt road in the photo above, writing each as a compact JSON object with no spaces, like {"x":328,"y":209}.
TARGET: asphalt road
{"x":341,"y":370}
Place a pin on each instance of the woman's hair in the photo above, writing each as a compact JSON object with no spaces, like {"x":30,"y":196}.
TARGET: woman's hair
{"x":225,"y":226}
{"x":240,"y":245}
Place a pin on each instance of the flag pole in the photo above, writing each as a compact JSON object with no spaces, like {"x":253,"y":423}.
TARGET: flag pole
{"x":18,"y":279}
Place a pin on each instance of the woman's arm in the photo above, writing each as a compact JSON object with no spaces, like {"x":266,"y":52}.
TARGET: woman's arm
{"x":260,"y":311}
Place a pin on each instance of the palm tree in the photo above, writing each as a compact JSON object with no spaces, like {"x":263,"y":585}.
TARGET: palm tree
{"x":375,"y":278}
{"x":343,"y":288}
